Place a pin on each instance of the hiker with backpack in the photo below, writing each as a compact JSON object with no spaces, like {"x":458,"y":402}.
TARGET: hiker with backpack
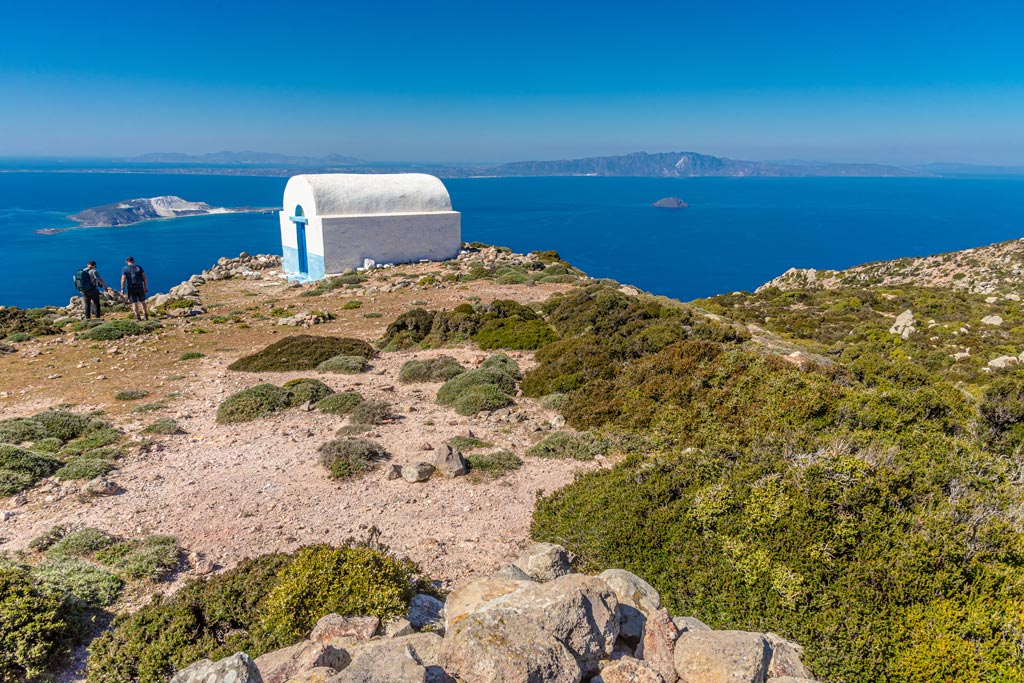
{"x":89,"y":283}
{"x":134,"y":277}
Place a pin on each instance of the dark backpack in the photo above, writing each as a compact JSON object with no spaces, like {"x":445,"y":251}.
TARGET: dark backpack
{"x":133,"y":274}
{"x":82,"y":281}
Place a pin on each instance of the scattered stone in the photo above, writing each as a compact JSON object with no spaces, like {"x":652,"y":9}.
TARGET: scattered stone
{"x":637,"y":600}
{"x":318,"y":674}
{"x":397,"y":627}
{"x":417,"y":472}
{"x":101,"y":486}
{"x":392,"y":471}
{"x":1003,"y":361}
{"x":512,"y":573}
{"x":904,"y":325}
{"x":630,"y":670}
{"x":383,"y":667}
{"x":238,"y":668}
{"x":544,"y":562}
{"x":449,"y":462}
{"x":684,"y":624}
{"x":994,"y":320}
{"x":658,"y":643}
{"x":722,"y":657}
{"x":469,"y":598}
{"x":281,"y":665}
{"x":335,"y":626}
{"x":426,"y":612}
{"x":423,"y":446}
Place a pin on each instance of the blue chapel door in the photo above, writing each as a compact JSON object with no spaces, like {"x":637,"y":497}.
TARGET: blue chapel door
{"x":300,"y":240}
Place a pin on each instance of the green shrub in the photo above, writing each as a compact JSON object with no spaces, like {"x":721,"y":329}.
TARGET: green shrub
{"x":82,"y":581}
{"x":253,"y":403}
{"x":152,"y":557}
{"x":306,"y":390}
{"x":118,"y":329}
{"x":348,"y":458}
{"x":370,"y":413}
{"x":340,"y":403}
{"x":348,"y":365}
{"x":165,"y":425}
{"x":301,"y":352}
{"x":84,"y":468}
{"x":552,"y":401}
{"x":190,"y":355}
{"x":23,"y":468}
{"x":570,"y":445}
{"x":18,"y":430}
{"x":467,"y":443}
{"x":485,"y":397}
{"x":34,"y":627}
{"x":514,"y":333}
{"x":455,"y":387}
{"x":12,"y":482}
{"x":353,"y":430}
{"x":150,"y":407}
{"x":65,"y":425}
{"x":131,"y":395}
{"x":42,"y":542}
{"x":500,"y":361}
{"x":1002,"y":410}
{"x":47,"y":445}
{"x":98,"y":438}
{"x":352,"y":305}
{"x":408,"y":329}
{"x":18,"y":337}
{"x":493,"y":465}
{"x":84,"y":542}
{"x":322,"y":579}
{"x":436,"y":369}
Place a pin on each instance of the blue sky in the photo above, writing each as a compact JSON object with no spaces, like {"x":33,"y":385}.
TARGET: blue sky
{"x":896,"y":81}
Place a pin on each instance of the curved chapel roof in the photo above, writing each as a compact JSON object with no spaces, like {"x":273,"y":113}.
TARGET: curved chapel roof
{"x":355,"y":194}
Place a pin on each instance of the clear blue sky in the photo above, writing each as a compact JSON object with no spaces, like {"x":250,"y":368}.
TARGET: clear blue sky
{"x":890,"y":81}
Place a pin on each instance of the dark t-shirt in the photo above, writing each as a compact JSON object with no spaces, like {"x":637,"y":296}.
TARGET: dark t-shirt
{"x":133,"y":276}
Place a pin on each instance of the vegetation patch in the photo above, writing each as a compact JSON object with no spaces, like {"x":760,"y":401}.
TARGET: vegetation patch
{"x":118,"y":329}
{"x":345,"y":365}
{"x":436,"y":369}
{"x":467,"y":443}
{"x":131,"y":395}
{"x":165,"y":425}
{"x":78,"y":579}
{"x":353,"y":429}
{"x":371,"y":413}
{"x":36,"y":628}
{"x":153,"y":557}
{"x":570,"y":446}
{"x":489,"y":387}
{"x":340,"y":403}
{"x":301,"y":352}
{"x":349,"y":458}
{"x":484,"y":466}
{"x":84,"y":468}
{"x":191,"y":355}
{"x":307,"y":390}
{"x":253,"y":403}
{"x":514,"y":333}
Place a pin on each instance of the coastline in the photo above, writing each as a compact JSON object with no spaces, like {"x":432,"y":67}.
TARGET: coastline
{"x":214,"y":212}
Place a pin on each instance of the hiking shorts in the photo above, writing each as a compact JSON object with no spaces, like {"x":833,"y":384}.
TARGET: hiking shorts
{"x":136,"y":295}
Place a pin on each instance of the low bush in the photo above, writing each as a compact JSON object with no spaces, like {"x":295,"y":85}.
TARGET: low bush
{"x":35,"y":629}
{"x":12,"y":483}
{"x":190,"y":355}
{"x":79,"y":580}
{"x":352,"y":305}
{"x":131,"y":395}
{"x":467,"y":443}
{"x":514,"y":333}
{"x":306,"y":390}
{"x":152,"y":557}
{"x":165,"y":425}
{"x":97,"y":438}
{"x":503,"y":363}
{"x":45,"y":540}
{"x":370,"y":413}
{"x":408,"y":329}
{"x":346,"y":365}
{"x":570,"y":446}
{"x":118,"y":329}
{"x":436,"y":369}
{"x":483,"y":397}
{"x":353,"y":429}
{"x":253,"y":403}
{"x":493,"y":465}
{"x":455,"y":387}
{"x":301,"y":352}
{"x":47,"y":445}
{"x":18,"y":337}
{"x":84,"y":542}
{"x":552,"y":401}
{"x":84,"y":468}
{"x":348,"y":458}
{"x":20,"y":468}
{"x":340,"y":403}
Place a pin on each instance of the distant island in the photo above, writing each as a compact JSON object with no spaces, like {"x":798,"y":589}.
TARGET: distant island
{"x":670,"y":203}
{"x":131,"y":211}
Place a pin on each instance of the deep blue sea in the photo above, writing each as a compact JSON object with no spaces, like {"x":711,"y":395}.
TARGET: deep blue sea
{"x":737,"y":233}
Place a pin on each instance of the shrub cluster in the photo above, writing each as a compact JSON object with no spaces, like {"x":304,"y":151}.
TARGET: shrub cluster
{"x":347,"y":365}
{"x":118,"y":329}
{"x":488,"y":387}
{"x":436,"y":369}
{"x":253,"y":403}
{"x":340,"y":403}
{"x":501,"y":324}
{"x":483,"y":466}
{"x":570,"y":446}
{"x":306,"y":390}
{"x":165,"y":425}
{"x":348,"y":458}
{"x":301,"y":352}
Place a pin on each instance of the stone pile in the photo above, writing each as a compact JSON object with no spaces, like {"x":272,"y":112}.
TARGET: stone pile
{"x":535,"y":621}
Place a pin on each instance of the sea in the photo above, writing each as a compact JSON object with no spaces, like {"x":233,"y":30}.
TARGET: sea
{"x":736,"y":234}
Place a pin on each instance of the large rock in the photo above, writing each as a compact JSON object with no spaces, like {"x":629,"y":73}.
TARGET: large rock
{"x":281,"y":665}
{"x":334,"y":626}
{"x":417,"y":472}
{"x":637,"y":600}
{"x":426,"y":612}
{"x":487,"y":650}
{"x":684,"y":624}
{"x":449,"y":462}
{"x":384,"y":665}
{"x":629,"y":670}
{"x":1003,"y":361}
{"x":792,"y":679}
{"x":786,"y":658}
{"x":544,"y":561}
{"x":512,"y":573}
{"x":904,"y":325}
{"x":318,"y":674}
{"x":658,"y":644}
{"x":469,"y":598}
{"x":722,"y":657}
{"x":995,"y":320}
{"x":238,"y":668}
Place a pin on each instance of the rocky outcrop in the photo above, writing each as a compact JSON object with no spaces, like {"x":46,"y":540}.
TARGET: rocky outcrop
{"x":544,"y":562}
{"x":722,"y":657}
{"x":670,"y":203}
{"x":905,"y":325}
{"x":238,"y":668}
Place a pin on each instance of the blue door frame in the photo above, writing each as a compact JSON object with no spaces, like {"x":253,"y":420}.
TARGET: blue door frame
{"x":300,"y":239}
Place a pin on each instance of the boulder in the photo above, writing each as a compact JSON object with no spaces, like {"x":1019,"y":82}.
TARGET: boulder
{"x":904,"y":325}
{"x":792,"y":679}
{"x":238,"y":668}
{"x":994,"y":320}
{"x":485,"y":649}
{"x":658,"y":643}
{"x":426,"y":612}
{"x":511,"y":572}
{"x":722,"y":657}
{"x":425,"y":646}
{"x":629,"y":670}
{"x":398,"y":627}
{"x":318,"y":674}
{"x":469,"y":598}
{"x":383,"y":666}
{"x":335,"y":626}
{"x":637,"y":600}
{"x":1003,"y":361}
{"x":684,"y":624}
{"x":786,"y":658}
{"x":417,"y":472}
{"x":544,"y":562}
{"x":280,"y":665}
{"x":449,"y":462}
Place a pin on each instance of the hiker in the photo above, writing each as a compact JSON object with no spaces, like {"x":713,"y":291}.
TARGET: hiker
{"x":134,"y":277}
{"x":89,"y":283}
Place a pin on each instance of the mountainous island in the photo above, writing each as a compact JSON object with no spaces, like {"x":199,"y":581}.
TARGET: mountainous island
{"x":670,"y":203}
{"x":498,"y":469}
{"x":131,"y":211}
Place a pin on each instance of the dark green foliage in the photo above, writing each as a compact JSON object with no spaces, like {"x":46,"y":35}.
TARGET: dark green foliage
{"x":492,"y":465}
{"x":514,"y":333}
{"x":84,"y":468}
{"x":131,"y":395}
{"x":348,"y":458}
{"x":253,"y":403}
{"x":165,"y":425}
{"x":18,"y":337}
{"x":84,"y":542}
{"x":14,"y":482}
{"x":17,"y":320}
{"x":489,"y":387}
{"x":467,"y":443}
{"x":436,"y":369}
{"x":502,"y":363}
{"x":341,"y":403}
{"x":305,"y":390}
{"x":370,"y":413}
{"x":34,"y":627}
{"x":301,"y":352}
{"x":1002,"y":409}
{"x":81,"y":581}
{"x":348,"y":365}
{"x":152,"y":557}
{"x":44,"y":541}
{"x":190,"y":355}
{"x":569,"y":445}
{"x":456,"y":325}
{"x":97,"y":438}
{"x":484,"y":397}
{"x":21,"y":468}
{"x":454,"y":387}
{"x":65,"y":425}
{"x":118,"y":329}
{"x":408,"y":329}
